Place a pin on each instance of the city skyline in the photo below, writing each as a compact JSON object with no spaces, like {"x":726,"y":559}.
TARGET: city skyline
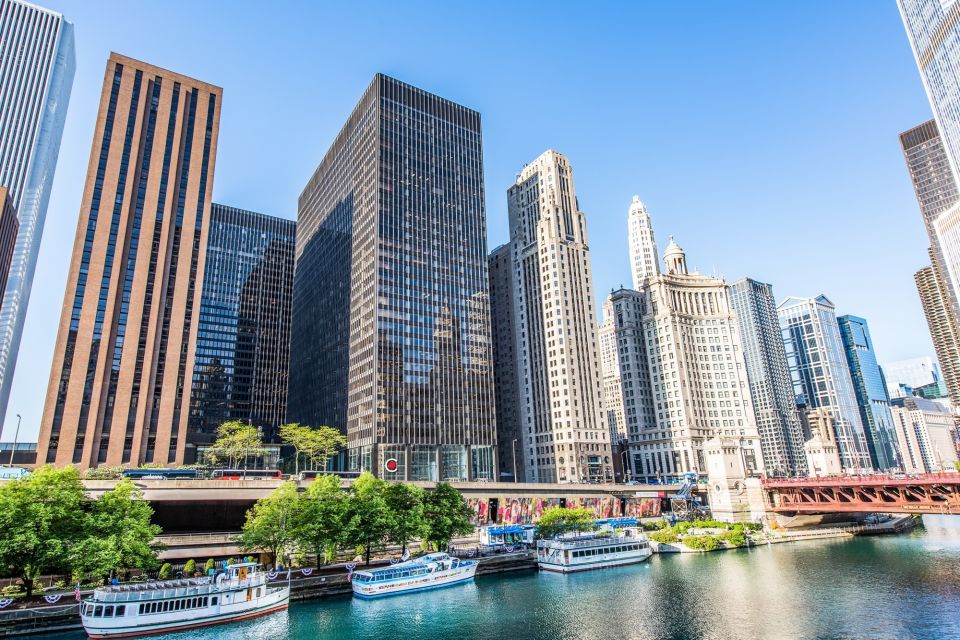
{"x":606,"y":181}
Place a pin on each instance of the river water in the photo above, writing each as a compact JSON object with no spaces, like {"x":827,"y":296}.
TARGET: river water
{"x":904,"y":586}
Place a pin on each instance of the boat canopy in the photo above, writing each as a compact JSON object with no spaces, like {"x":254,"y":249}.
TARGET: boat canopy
{"x":619,"y":522}
{"x":510,"y":528}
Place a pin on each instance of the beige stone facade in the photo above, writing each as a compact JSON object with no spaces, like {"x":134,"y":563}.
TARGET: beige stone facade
{"x":120,"y":381}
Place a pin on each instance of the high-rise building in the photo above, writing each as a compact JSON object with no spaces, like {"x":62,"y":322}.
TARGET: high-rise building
{"x":139,"y":253}
{"x":924,"y":431}
{"x":871,"y":391}
{"x":503,"y":328}
{"x":611,"y":385}
{"x":910,"y":374}
{"x":243,"y":343}
{"x":9,"y":225}
{"x":390,"y":339}
{"x":771,"y":389}
{"x":821,"y":377}
{"x":697,"y":374}
{"x":644,"y":260}
{"x":37,"y":64}
{"x":942,"y":322}
{"x":564,"y":436}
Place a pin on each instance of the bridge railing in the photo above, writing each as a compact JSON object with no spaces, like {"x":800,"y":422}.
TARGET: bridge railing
{"x":878,"y":478}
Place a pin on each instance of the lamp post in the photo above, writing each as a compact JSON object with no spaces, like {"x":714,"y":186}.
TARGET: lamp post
{"x":16,"y":434}
{"x":626,"y":469}
{"x":514,"y":447}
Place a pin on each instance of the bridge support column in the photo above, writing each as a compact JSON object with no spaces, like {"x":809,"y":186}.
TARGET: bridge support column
{"x":733,"y":496}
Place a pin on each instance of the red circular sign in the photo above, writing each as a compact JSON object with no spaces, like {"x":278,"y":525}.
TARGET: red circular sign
{"x":391,"y":465}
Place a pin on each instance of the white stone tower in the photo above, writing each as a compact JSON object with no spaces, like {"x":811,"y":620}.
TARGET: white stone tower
{"x":644,"y":260}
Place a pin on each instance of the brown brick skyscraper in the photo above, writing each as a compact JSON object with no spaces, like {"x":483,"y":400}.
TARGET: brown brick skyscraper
{"x":120,"y":381}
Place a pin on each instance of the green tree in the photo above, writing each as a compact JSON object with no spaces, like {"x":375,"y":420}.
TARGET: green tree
{"x":405,"y":502}
{"x":272,"y":522}
{"x":166,"y":571}
{"x":209,"y":566}
{"x":119,"y":534}
{"x":322,"y":517}
{"x":368,"y":518}
{"x":559,"y":520}
{"x":41,"y":519}
{"x":190,"y":567}
{"x":324,"y":443}
{"x":446,"y":515}
{"x":235,"y":440}
{"x":297,"y":436}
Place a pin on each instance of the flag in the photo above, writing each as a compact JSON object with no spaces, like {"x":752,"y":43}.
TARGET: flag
{"x":405,"y":556}
{"x":288,"y":574}
{"x":76,"y":593}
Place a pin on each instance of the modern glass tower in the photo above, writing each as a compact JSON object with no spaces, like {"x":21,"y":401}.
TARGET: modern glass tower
{"x":774,"y":405}
{"x":821,"y":377}
{"x":390,"y":339}
{"x":120,"y":382}
{"x":871,"y":390}
{"x":243,"y":342}
{"x":36,"y":74}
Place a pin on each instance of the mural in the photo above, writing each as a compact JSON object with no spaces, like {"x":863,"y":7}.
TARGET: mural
{"x":603,"y":507}
{"x":481,"y":510}
{"x":642,"y":508}
{"x":523,"y":510}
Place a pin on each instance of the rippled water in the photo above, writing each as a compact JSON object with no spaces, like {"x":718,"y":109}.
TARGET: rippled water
{"x":884,"y":587}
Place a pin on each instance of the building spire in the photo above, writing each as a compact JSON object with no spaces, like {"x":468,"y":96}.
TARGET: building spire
{"x":644,"y":260}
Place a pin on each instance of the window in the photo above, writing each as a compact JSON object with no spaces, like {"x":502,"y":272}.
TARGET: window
{"x":214,"y":599}
{"x":121,"y":610}
{"x":98,"y":611}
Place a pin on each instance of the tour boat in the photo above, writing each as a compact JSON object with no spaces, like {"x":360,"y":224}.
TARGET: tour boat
{"x":431,"y":571}
{"x":567,"y":554}
{"x":239,"y":592}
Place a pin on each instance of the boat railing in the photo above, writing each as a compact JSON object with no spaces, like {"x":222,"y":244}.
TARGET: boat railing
{"x":575,"y":543}
{"x":172,"y":589}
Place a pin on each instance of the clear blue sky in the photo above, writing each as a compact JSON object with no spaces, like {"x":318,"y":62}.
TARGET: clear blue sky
{"x":762,"y":135}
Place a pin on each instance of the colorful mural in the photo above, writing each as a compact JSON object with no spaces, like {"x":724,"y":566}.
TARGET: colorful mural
{"x":481,"y":510}
{"x":642,"y":508}
{"x":603,"y":507}
{"x":523,"y":510}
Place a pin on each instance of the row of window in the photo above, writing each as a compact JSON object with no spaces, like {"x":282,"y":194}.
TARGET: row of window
{"x":600,"y":551}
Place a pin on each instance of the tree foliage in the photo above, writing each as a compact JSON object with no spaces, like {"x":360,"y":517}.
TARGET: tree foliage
{"x":320,"y":528}
{"x":559,"y":520}
{"x":316,"y":444}
{"x":235,"y":441}
{"x":368,"y":519}
{"x":446,"y":515}
{"x":405,"y":502}
{"x":41,"y":519}
{"x":272,"y":522}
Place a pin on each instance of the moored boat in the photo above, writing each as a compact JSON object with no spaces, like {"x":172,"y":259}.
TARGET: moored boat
{"x":240,"y":591}
{"x":431,"y":571}
{"x":610,"y":548}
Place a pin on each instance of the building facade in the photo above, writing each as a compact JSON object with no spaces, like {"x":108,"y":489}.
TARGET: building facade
{"x":697,"y":375}
{"x":871,"y":391}
{"x":821,"y":377}
{"x":135,"y":273}
{"x":390,"y":339}
{"x":771,"y":389}
{"x":644,"y":259}
{"x":9,"y":226}
{"x":565,"y":437}
{"x":504,"y":334}
{"x":912,"y":373}
{"x":944,"y":330}
{"x":924,"y":431}
{"x":37,"y":63}
{"x":243,"y":342}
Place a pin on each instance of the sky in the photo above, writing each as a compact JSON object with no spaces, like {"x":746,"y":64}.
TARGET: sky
{"x":762,"y":135}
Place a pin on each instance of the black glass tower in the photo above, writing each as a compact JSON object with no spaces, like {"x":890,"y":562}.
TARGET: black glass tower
{"x":390,"y":339}
{"x":243,"y":340}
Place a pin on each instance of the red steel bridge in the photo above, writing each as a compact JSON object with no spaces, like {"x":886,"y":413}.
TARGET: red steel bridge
{"x":919,"y":493}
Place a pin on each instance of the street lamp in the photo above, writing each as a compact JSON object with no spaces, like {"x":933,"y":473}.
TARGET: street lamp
{"x":626,"y":468}
{"x":514,"y":447}
{"x":16,"y":434}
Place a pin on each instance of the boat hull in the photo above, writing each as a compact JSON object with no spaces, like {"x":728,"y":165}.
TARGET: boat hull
{"x":601,"y":564}
{"x":455,"y":577}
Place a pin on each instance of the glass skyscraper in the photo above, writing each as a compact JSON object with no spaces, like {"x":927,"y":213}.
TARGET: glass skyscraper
{"x":243,"y":339}
{"x":390,"y":340}
{"x":871,"y":390}
{"x":37,"y":64}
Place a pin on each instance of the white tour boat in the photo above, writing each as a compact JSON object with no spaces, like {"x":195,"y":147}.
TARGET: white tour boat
{"x":239,"y":592}
{"x":431,"y":571}
{"x":610,"y":548}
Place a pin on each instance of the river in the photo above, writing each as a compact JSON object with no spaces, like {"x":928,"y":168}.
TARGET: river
{"x":905,"y":586}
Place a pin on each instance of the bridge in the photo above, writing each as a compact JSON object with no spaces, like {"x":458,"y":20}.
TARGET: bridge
{"x":907,"y":494}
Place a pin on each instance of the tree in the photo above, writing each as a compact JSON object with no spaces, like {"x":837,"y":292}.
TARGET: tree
{"x":446,"y":515}
{"x":406,"y":506}
{"x":235,"y":440}
{"x":559,"y":520}
{"x":297,"y":436}
{"x":190,"y":567}
{"x":119,"y":534}
{"x":324,"y":443}
{"x":271,"y":523}
{"x":209,"y":566}
{"x":41,"y":519}
{"x":322,"y":517}
{"x":368,"y":518}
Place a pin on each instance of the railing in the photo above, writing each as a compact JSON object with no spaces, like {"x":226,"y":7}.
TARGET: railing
{"x":898,"y":478}
{"x":574,"y":543}
{"x":174,"y":591}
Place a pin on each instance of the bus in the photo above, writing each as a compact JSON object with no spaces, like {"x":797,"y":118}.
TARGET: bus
{"x":311,"y":475}
{"x":246,"y":474}
{"x":13,"y":473}
{"x":160,"y":474}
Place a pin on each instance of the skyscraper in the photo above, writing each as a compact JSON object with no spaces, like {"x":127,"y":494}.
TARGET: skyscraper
{"x":871,"y":391}
{"x":36,"y":73}
{"x":924,"y":430}
{"x":697,"y":375}
{"x":942,"y":322}
{"x":771,"y":389}
{"x":136,"y":271}
{"x":644,"y":260}
{"x":821,"y":377}
{"x":503,"y":328}
{"x":911,"y":373}
{"x":390,"y":339}
{"x":9,"y":225}
{"x":565,"y":439}
{"x":243,"y":342}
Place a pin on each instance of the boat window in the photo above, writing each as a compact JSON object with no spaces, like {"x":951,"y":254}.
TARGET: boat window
{"x":121,"y":610}
{"x":98,"y":612}
{"x":166,"y":605}
{"x":154,"y":606}
{"x":214,"y":599}
{"x":204,"y":601}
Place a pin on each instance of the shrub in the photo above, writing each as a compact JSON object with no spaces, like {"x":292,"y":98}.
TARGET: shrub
{"x":207,"y":568}
{"x":165,"y":571}
{"x":103,"y":473}
{"x":11,"y":589}
{"x":665,"y":536}
{"x":702,"y":543}
{"x":190,"y":568}
{"x":735,"y":537}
